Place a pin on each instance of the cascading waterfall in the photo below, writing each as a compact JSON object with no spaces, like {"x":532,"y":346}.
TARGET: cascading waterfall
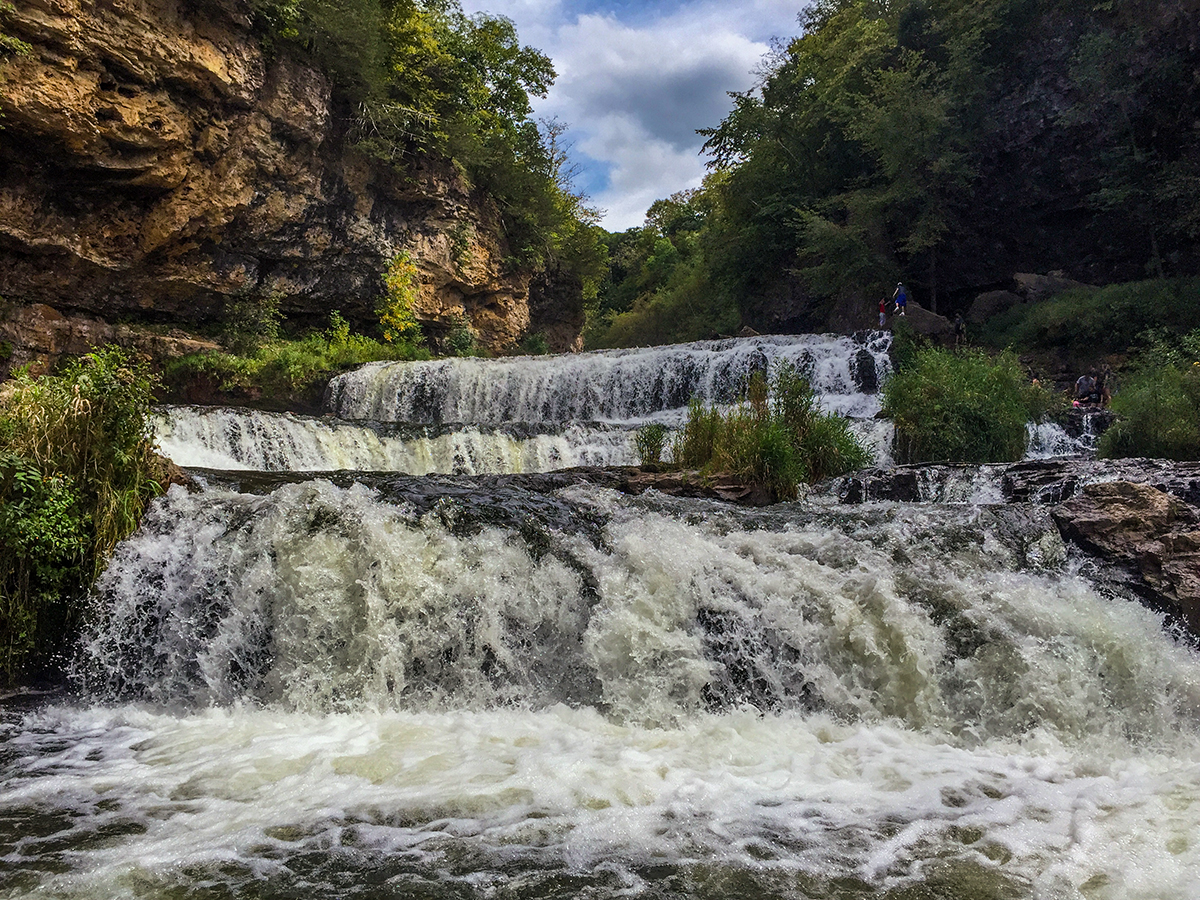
{"x":445,"y":686}
{"x":241,"y":439}
{"x":609,"y":385}
{"x":522,"y":414}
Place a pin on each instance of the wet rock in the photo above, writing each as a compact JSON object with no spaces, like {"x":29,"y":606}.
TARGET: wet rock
{"x":1148,"y":530}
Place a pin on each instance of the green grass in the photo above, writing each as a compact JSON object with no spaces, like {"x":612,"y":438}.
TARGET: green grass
{"x":1158,"y":415}
{"x":777,"y":437}
{"x":1088,"y":322}
{"x":279,"y":368}
{"x":963,"y":407}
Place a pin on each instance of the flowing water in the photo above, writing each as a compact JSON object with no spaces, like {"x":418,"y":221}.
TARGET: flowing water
{"x":453,"y":686}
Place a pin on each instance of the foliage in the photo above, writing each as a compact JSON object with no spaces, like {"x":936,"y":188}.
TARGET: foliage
{"x":460,"y":339}
{"x":650,"y":441}
{"x":77,"y":468}
{"x":251,"y":319}
{"x":1087,"y":322}
{"x":878,"y":146}
{"x":535,"y":344}
{"x":1158,"y":406}
{"x":9,"y":45}
{"x":1158,"y":416}
{"x":397,"y":316}
{"x":777,"y":437}
{"x":963,"y":407}
{"x":279,"y":368}
{"x":659,"y":288}
{"x":420,"y":78}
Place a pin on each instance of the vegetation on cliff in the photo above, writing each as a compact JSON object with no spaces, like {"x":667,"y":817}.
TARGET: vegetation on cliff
{"x":941,"y":143}
{"x":77,"y":468}
{"x":422,"y":77}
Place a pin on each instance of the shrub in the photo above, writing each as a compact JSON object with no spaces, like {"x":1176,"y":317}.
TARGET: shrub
{"x":1087,"y":322}
{"x":251,"y":319}
{"x":281,"y":367}
{"x":962,"y":407}
{"x":1158,"y":415}
{"x":396,"y":310}
{"x":650,"y":441}
{"x":77,"y":468}
{"x":777,"y":437}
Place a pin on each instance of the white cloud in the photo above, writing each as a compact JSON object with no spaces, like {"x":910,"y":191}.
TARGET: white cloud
{"x":635,"y":83}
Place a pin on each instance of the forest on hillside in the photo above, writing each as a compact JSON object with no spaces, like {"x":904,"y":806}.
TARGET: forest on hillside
{"x":944,"y":143}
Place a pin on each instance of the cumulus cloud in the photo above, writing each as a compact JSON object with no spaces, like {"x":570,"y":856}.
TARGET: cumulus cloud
{"x":635,"y":81}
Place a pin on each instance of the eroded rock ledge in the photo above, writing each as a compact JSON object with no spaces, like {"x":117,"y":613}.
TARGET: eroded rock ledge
{"x":153,"y":163}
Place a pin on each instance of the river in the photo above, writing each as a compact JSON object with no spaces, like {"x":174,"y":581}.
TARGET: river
{"x":432,"y":680}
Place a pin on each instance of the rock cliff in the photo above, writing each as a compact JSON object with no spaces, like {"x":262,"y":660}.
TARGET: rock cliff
{"x":154,"y":163}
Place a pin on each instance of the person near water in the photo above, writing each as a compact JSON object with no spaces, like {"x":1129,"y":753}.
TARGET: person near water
{"x":1087,"y":391}
{"x":901,"y":298}
{"x":960,"y":330}
{"x":882,"y":312}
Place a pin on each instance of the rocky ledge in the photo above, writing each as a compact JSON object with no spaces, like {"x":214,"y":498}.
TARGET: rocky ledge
{"x":1138,"y":517}
{"x":154,"y":163}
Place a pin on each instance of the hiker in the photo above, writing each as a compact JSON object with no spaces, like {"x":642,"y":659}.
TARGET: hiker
{"x":901,"y":298}
{"x":960,"y":330}
{"x":882,"y":311}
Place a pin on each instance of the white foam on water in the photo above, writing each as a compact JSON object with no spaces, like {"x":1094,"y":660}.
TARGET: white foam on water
{"x":882,"y":694}
{"x":608,"y":385}
{"x":243,"y":439}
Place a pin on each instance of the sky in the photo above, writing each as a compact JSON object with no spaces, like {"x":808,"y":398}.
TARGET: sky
{"x":635,"y":81}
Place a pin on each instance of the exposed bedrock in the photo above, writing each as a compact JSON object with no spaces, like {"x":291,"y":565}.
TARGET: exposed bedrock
{"x":153,"y":164}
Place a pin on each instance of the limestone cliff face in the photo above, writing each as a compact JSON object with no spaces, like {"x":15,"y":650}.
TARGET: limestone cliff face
{"x":154,"y":163}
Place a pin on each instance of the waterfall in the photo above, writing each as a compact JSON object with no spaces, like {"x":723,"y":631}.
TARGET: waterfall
{"x":241,"y":439}
{"x":363,"y":667}
{"x":609,"y":385}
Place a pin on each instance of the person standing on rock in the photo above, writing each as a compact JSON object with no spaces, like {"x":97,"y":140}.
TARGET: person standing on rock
{"x":901,"y":298}
{"x":882,"y":312}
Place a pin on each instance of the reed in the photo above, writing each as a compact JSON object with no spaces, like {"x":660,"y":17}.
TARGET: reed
{"x":777,"y":436}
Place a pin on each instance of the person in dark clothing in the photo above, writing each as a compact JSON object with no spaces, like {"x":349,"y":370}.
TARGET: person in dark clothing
{"x":901,"y":298}
{"x":960,"y":331}
{"x":1087,"y":392}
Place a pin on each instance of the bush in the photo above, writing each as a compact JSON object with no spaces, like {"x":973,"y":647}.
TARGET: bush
{"x":279,"y":368}
{"x":777,"y":437}
{"x":963,"y":407}
{"x":1087,"y":322}
{"x":1158,"y":415}
{"x":650,"y":441}
{"x":77,"y":468}
{"x":396,"y":310}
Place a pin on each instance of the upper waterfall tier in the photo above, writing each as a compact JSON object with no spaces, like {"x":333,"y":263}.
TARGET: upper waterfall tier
{"x":609,"y":385}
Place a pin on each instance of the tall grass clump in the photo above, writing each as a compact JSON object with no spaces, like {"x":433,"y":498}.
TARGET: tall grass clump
{"x":77,"y":468}
{"x":1158,"y":406}
{"x":777,"y":437}
{"x":963,"y":407}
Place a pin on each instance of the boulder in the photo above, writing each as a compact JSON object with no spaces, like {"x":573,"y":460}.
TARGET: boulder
{"x":1155,"y":535}
{"x":925,"y":322}
{"x":991,"y":304}
{"x":1035,"y":288}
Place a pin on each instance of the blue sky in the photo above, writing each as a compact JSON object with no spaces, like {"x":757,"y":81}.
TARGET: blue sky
{"x":635,"y":81}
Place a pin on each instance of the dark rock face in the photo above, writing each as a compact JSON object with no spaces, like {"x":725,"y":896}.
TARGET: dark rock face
{"x":154,"y":163}
{"x":1153,"y":533}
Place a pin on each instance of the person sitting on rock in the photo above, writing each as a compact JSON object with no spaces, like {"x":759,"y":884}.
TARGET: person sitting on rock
{"x":1086,"y":391}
